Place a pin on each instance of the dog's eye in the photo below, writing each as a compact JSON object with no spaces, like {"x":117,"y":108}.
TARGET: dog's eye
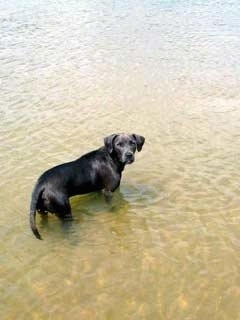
{"x":119,"y":144}
{"x":131,"y":143}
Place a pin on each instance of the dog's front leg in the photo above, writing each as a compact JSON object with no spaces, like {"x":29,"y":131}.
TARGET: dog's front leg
{"x":107,"y":195}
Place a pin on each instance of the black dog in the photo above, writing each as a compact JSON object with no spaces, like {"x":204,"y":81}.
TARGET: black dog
{"x":96,"y":170}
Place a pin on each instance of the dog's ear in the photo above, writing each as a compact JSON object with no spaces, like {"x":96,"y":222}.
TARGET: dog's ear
{"x":139,"y":140}
{"x":108,"y":142}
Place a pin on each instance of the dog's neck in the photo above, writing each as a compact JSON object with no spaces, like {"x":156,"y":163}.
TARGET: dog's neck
{"x":120,"y":166}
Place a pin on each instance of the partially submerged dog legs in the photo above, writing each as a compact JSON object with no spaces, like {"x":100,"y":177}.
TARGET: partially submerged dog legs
{"x":63,"y":210}
{"x":59,"y":204}
{"x":107,"y":195}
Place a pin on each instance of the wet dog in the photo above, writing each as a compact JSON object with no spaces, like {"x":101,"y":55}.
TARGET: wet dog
{"x":100,"y":169}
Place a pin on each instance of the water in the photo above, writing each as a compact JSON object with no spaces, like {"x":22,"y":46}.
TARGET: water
{"x":73,"y":72}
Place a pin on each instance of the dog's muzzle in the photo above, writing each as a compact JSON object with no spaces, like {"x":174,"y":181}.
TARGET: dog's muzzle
{"x":128,"y":157}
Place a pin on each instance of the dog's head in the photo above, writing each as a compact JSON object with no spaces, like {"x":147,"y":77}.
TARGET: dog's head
{"x":123,"y":146}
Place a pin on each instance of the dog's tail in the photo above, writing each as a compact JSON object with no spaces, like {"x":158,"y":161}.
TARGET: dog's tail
{"x":37,"y":192}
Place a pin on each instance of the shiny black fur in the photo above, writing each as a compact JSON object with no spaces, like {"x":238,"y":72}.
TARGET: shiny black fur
{"x":97,"y":170}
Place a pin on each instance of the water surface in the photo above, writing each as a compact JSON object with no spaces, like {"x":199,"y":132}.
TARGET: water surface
{"x":73,"y":72}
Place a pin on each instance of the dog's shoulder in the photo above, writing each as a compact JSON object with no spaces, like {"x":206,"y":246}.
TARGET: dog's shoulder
{"x":99,"y":155}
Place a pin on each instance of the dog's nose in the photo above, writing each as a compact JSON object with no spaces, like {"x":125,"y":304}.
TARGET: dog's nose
{"x":129,"y":155}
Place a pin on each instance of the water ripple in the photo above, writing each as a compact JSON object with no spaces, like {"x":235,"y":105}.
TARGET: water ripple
{"x":72,"y":73}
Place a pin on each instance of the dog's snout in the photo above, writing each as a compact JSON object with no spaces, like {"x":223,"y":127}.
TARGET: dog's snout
{"x":129,"y":155}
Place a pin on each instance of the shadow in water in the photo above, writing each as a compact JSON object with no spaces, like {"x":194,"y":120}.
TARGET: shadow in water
{"x":141,"y":195}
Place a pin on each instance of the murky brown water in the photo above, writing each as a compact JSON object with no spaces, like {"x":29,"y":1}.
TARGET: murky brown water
{"x":73,"y":72}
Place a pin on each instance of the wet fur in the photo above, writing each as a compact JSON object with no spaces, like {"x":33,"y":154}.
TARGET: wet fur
{"x":100,"y":169}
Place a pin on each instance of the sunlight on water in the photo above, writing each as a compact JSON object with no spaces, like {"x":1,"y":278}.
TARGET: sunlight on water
{"x":168,"y":245}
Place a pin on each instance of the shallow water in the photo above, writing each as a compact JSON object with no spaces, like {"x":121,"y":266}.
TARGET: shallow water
{"x":73,"y":72}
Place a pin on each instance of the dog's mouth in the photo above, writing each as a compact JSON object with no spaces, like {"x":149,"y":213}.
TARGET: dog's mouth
{"x":129,"y":160}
